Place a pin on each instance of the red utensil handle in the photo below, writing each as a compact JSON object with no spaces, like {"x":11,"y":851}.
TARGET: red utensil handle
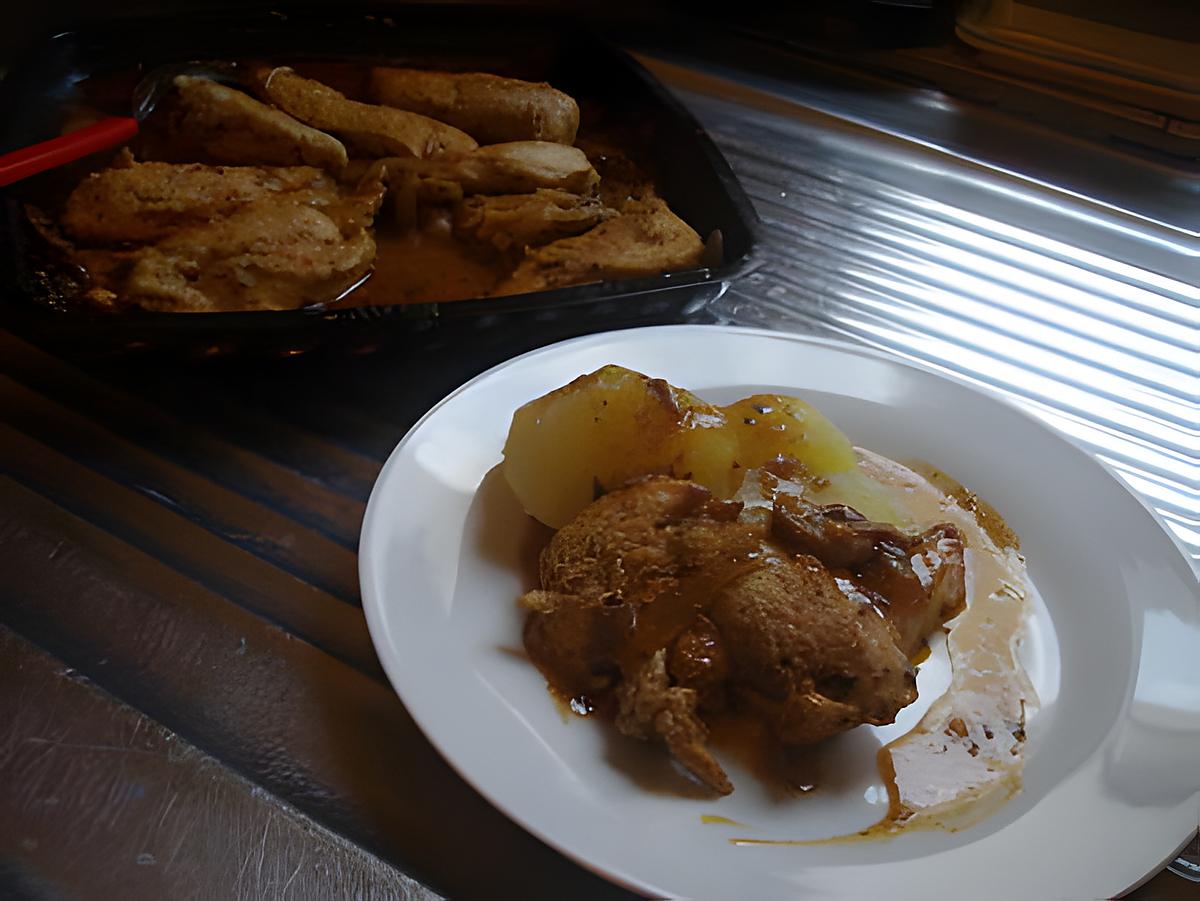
{"x":50,"y":154}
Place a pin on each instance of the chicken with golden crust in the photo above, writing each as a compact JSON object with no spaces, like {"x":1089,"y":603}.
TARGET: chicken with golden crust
{"x":660,"y":603}
{"x":372,"y":130}
{"x":491,"y":109}
{"x":134,"y":202}
{"x":519,"y":221}
{"x":213,"y":123}
{"x":645,"y":239}
{"x":266,"y":256}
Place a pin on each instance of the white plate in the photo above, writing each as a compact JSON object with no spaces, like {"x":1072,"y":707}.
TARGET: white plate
{"x":1112,"y":782}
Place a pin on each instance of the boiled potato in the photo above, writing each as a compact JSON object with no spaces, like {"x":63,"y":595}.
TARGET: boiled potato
{"x":604,"y":429}
{"x":775,"y":425}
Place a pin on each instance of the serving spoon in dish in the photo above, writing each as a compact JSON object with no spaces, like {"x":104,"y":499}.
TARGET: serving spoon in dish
{"x":112,"y":131}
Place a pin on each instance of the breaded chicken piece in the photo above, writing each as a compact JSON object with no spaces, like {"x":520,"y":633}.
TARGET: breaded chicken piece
{"x":580,"y":640}
{"x":142,"y":202}
{"x":811,"y":660}
{"x":698,"y":658}
{"x":682,"y":603}
{"x":639,"y":542}
{"x":372,"y":130}
{"x":521,"y":167}
{"x":223,"y":125}
{"x":490,"y":108}
{"x":269,"y":255}
{"x":650,"y":707}
{"x":527,"y":220}
{"x":917,"y":581}
{"x":646,"y":239}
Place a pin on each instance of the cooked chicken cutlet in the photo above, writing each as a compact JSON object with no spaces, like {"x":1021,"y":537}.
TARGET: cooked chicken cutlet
{"x":673,"y":603}
{"x":808,"y":658}
{"x":527,"y":220}
{"x":218,"y":124}
{"x":142,"y":202}
{"x":521,"y":167}
{"x":652,"y":707}
{"x":579,"y":639}
{"x":637,"y":543}
{"x":491,"y":109}
{"x":646,"y":239}
{"x":917,"y":581}
{"x":372,"y":130}
{"x":269,"y":255}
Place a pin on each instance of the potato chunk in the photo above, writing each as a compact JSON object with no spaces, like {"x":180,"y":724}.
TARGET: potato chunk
{"x":614,"y":425}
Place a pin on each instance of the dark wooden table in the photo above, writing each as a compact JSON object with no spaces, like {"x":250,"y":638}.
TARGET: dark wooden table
{"x":190,"y":705}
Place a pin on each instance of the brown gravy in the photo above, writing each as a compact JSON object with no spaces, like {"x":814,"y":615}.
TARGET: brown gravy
{"x":421,"y":266}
